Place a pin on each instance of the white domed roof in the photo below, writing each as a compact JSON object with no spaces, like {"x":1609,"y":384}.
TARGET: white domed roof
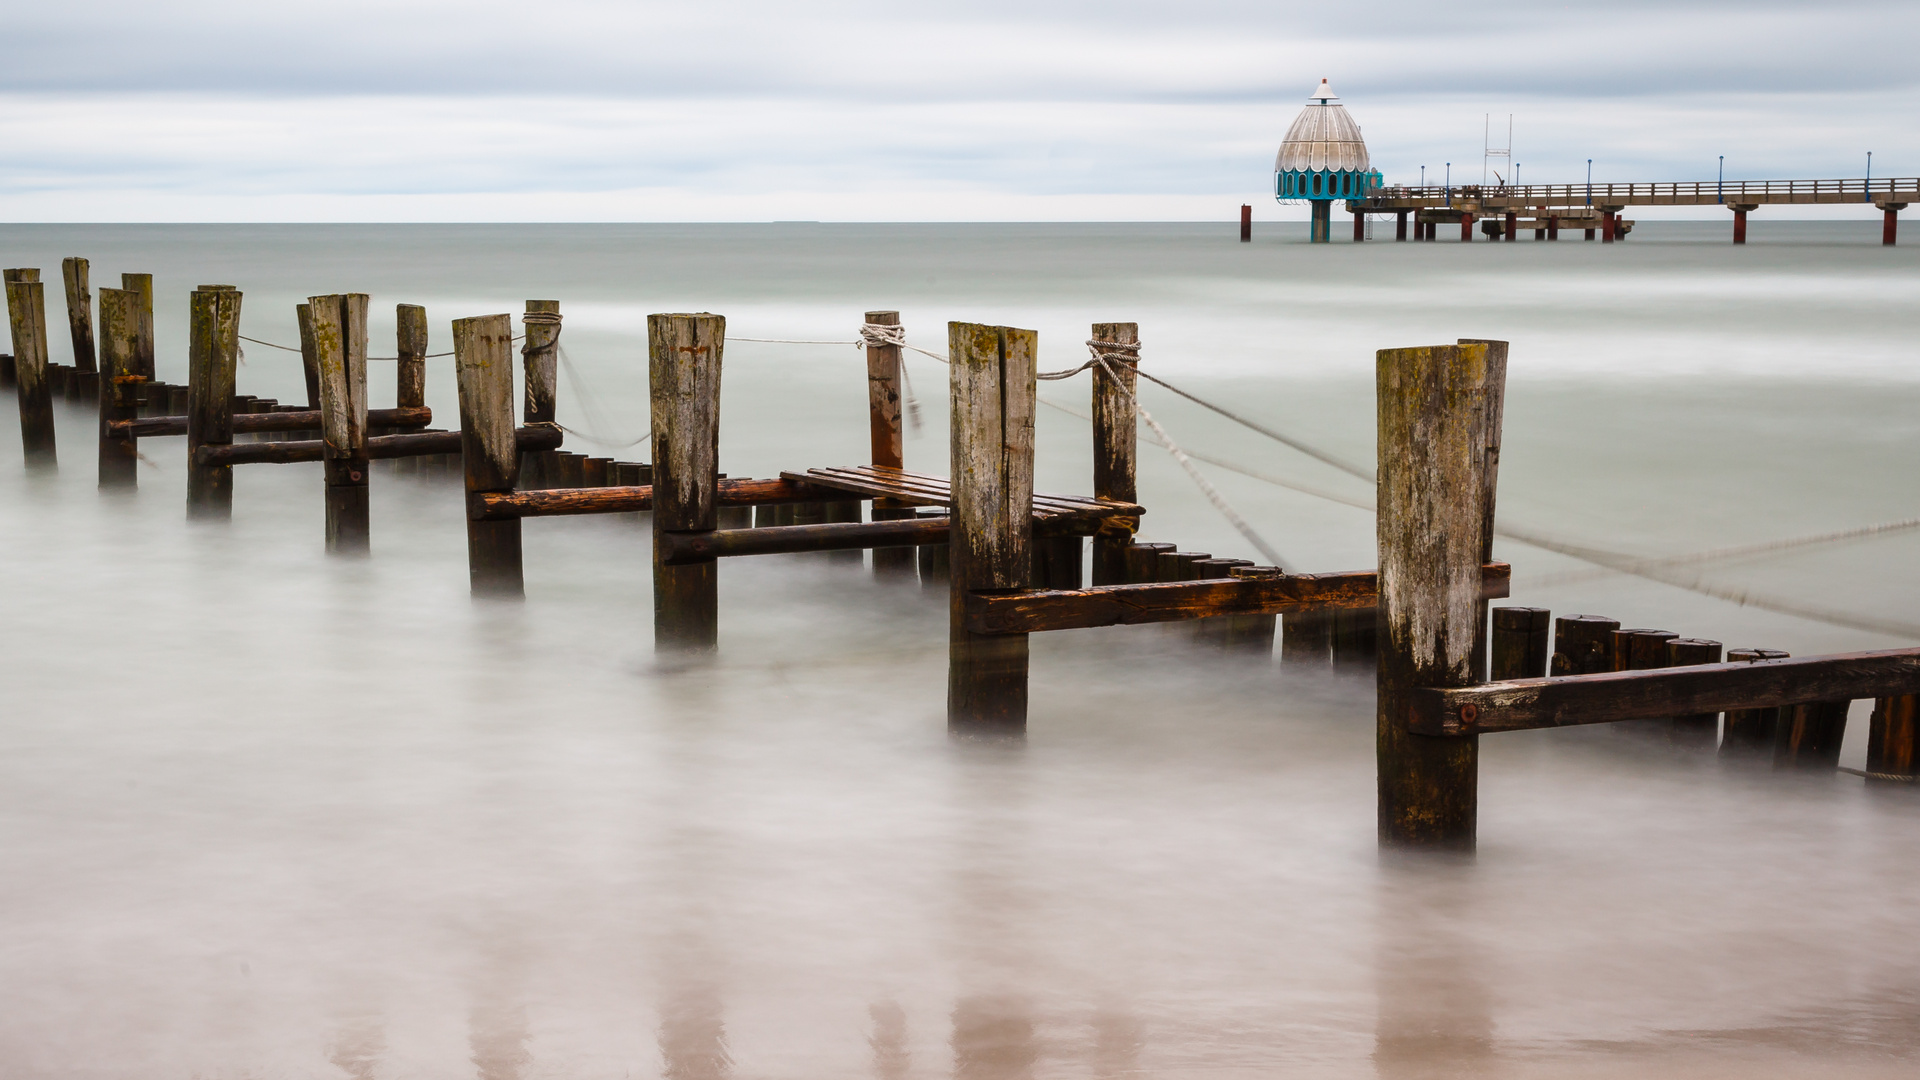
{"x":1323,"y":136}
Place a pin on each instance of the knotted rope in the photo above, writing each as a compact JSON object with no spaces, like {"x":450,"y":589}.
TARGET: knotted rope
{"x":877,"y":335}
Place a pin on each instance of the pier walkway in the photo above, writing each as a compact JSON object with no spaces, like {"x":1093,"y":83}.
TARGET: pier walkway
{"x":1546,"y":208}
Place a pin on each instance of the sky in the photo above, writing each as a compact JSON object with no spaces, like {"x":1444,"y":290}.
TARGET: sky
{"x":752,"y":110}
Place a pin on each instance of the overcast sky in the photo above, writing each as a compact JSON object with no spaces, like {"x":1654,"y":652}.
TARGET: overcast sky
{"x":209,"y":110}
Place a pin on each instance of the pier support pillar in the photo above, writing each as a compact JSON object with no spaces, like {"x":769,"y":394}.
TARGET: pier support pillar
{"x":1740,"y":220}
{"x":1400,"y":226}
{"x":1890,"y":222}
{"x":1433,"y":231}
{"x":212,"y":353}
{"x":1435,"y":435}
{"x":1466,"y":228}
{"x":1588,"y":236}
{"x":1553,"y":226}
{"x":1359,"y":228}
{"x":340,"y":338}
{"x":1606,"y":226}
{"x":1116,"y":426}
{"x":490,"y":460}
{"x":684,"y":378}
{"x":1246,"y":223}
{"x":1322,"y":232}
{"x":1513,"y":226}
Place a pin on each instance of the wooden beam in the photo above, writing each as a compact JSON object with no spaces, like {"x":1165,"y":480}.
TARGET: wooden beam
{"x":289,"y":420}
{"x":1526,"y":704}
{"x":687,"y":548}
{"x":559,"y":502}
{"x":1028,"y":611}
{"x":409,"y":444}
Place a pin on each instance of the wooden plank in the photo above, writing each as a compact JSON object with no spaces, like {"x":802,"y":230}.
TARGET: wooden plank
{"x":686,"y":548}
{"x":287,"y":420}
{"x":684,"y":366}
{"x":622,"y":499}
{"x":1039,"y":610}
{"x":1433,"y":455}
{"x":27,"y":316}
{"x":119,"y":386}
{"x":1566,"y":701}
{"x":992,"y":390}
{"x":1115,"y":444}
{"x":483,"y":368}
{"x":412,"y":444}
{"x":212,"y":358}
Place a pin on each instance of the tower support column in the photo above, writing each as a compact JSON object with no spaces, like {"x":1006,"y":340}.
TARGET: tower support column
{"x":1890,"y":221}
{"x":1359,"y":228}
{"x":1322,"y":222}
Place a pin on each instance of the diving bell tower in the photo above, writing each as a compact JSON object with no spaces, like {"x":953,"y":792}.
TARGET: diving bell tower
{"x":1322,"y":159}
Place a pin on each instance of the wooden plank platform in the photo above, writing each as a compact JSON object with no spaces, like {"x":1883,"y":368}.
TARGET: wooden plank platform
{"x":1568,"y":700}
{"x":918,"y":489}
{"x":1027,"y":611}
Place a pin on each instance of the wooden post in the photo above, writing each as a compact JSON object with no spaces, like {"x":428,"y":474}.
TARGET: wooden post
{"x":1355,"y":635}
{"x":1810,"y":734}
{"x":483,"y":369}
{"x":212,"y":353}
{"x":309,"y":356}
{"x":27,"y":314}
{"x":1359,"y":228}
{"x":1512,"y":231}
{"x":1582,"y":644}
{"x":86,"y":373}
{"x":884,"y":438}
{"x":993,"y":395}
{"x":120,"y":386}
{"x":1400,"y":226}
{"x":1246,"y":223}
{"x":1520,"y":642}
{"x":141,"y":285}
{"x":540,"y":404}
{"x":340,"y":349}
{"x":1892,"y":733}
{"x":1750,"y":733}
{"x":1306,"y":641}
{"x":1143,"y":563}
{"x":1252,"y":636}
{"x":1553,"y":226}
{"x":410,"y":380}
{"x":1116,"y":428}
{"x":1495,"y":399}
{"x":1433,"y":457}
{"x":933,"y":558}
{"x":1700,"y":731}
{"x":685,"y":353}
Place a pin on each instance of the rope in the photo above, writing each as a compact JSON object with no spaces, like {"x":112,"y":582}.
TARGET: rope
{"x":877,"y":335}
{"x":1101,"y":356}
{"x":1879,"y":775}
{"x":589,"y":404}
{"x":382,"y":359}
{"x":1311,"y":451}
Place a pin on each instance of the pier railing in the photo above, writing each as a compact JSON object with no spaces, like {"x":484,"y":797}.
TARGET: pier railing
{"x":1683,"y":193}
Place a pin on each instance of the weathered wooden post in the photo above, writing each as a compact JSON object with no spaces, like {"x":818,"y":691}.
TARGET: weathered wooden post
{"x":309,"y":355}
{"x":1116,"y":430}
{"x":213,"y":350}
{"x":1582,"y":644}
{"x":141,"y":286}
{"x":1892,"y":733}
{"x":1519,"y":646}
{"x":993,"y":394}
{"x":684,"y":353}
{"x":540,"y":355}
{"x":1433,"y":439}
{"x":120,"y":385}
{"x":410,"y":378}
{"x":80,"y":327}
{"x":1496,"y":404}
{"x":483,"y":366}
{"x":27,"y":315}
{"x":884,"y":436}
{"x":1700,"y":731}
{"x":1306,"y":641}
{"x":340,"y":349}
{"x":1809,"y":735}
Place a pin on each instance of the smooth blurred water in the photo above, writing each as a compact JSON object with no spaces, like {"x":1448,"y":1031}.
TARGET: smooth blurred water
{"x":266,"y":814}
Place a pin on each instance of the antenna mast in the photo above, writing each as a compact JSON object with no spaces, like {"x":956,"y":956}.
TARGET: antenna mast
{"x":1491,"y":151}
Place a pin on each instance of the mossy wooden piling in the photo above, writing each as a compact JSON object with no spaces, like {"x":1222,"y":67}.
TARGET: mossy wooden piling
{"x":340,"y":351}
{"x":993,"y":398}
{"x":1519,"y":642}
{"x":1433,"y":442}
{"x":27,"y":317}
{"x":684,"y":365}
{"x":410,"y":376}
{"x":212,"y":353}
{"x":540,"y":358}
{"x":1116,"y":428}
{"x":80,"y":328}
{"x":886,"y":443}
{"x":120,"y":387}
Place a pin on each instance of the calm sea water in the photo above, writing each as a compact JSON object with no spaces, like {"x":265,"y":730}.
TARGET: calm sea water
{"x":266,"y":814}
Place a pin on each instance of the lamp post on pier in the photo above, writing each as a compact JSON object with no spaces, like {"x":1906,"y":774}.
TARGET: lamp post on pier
{"x":1720,"y":185}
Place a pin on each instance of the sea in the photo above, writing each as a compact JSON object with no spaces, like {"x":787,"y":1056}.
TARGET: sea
{"x":266,"y":813}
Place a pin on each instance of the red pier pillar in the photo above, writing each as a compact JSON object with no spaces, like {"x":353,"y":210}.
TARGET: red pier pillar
{"x":1890,"y":226}
{"x":1359,"y":228}
{"x":1606,"y":226}
{"x":1513,"y":226}
{"x":1400,"y":226}
{"x":1246,"y":224}
{"x":1466,"y":228}
{"x":1739,"y":226}
{"x":1553,"y":226}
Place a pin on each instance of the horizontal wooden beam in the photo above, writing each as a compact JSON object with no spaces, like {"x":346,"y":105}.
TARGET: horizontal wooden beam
{"x":410,"y":444}
{"x":1568,"y":700}
{"x":1029,"y":611}
{"x":148,"y":427}
{"x":556,"y":502}
{"x":682,"y":548}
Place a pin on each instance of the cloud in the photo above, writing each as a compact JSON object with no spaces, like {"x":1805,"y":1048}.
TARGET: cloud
{"x":751,"y":110}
